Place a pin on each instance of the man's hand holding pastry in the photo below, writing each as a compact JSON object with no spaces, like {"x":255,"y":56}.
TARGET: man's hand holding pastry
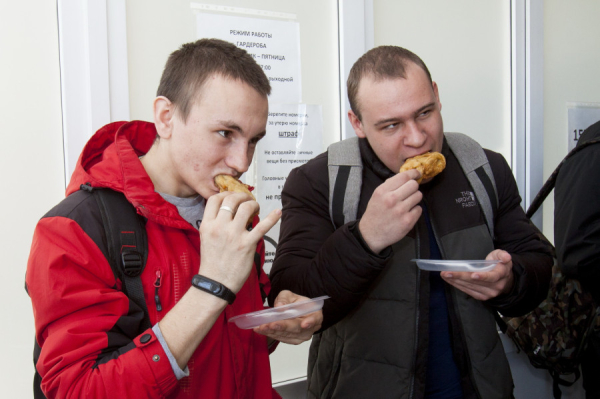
{"x":227,"y":247}
{"x":392,"y":211}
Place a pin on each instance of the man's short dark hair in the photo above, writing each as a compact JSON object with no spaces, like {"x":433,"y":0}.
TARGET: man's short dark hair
{"x":188,"y":68}
{"x":383,"y":62}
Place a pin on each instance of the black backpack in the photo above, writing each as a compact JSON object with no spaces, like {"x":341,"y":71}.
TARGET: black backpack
{"x":554,"y":335}
{"x":126,"y":245}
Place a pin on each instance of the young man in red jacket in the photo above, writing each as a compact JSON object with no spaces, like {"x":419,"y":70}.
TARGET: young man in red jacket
{"x":210,"y":111}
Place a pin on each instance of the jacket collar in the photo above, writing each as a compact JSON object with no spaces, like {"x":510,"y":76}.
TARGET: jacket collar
{"x":110,"y":159}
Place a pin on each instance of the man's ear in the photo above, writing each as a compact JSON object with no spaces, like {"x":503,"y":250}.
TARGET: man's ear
{"x":356,"y":124}
{"x":164,"y":115}
{"x":437,"y":94}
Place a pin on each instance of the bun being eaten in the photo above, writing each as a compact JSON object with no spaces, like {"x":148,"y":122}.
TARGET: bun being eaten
{"x":429,"y":164}
{"x":230,"y":183}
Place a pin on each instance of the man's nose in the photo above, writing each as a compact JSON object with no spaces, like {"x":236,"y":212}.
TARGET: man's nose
{"x":238,"y":157}
{"x":413,"y":135}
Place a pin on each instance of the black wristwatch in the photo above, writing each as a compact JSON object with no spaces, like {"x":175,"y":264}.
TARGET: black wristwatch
{"x":212,"y":287}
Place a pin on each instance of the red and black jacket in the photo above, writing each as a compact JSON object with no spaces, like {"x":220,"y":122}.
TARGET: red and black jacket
{"x":88,"y":329}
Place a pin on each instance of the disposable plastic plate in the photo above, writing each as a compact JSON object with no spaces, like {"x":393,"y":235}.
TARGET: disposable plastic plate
{"x":297,"y":309}
{"x":436,"y":265}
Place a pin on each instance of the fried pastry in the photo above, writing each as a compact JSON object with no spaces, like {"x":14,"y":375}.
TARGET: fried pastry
{"x":230,"y":183}
{"x":429,"y":164}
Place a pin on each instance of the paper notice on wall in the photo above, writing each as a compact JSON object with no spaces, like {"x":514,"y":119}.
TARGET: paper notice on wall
{"x":580,"y":117}
{"x":275,"y":45}
{"x":294,"y":137}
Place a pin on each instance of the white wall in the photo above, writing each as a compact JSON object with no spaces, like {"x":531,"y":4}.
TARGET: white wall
{"x":155,"y":28}
{"x":571,"y":74}
{"x":466,"y":46}
{"x":31,"y":160}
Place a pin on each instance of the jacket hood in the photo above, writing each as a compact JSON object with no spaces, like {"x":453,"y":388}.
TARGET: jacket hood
{"x":110,"y":159}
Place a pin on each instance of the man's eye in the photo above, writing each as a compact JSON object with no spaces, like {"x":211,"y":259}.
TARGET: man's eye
{"x":224,"y":133}
{"x":425,"y":113}
{"x":390,"y":127}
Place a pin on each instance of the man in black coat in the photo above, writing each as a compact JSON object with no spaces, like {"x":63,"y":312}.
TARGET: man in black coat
{"x":577,"y":235}
{"x":391,"y":330}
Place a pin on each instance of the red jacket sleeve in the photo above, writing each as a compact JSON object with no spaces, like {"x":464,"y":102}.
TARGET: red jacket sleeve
{"x":82,"y":321}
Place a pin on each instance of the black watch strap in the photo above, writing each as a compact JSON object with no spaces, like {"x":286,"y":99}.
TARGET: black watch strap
{"x":212,"y":287}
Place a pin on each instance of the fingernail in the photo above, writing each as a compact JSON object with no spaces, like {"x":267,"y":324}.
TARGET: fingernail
{"x":449,"y":275}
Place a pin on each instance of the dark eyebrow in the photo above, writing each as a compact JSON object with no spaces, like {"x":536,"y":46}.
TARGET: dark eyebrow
{"x":395,"y":120}
{"x":424,"y":107}
{"x":231,"y":125}
{"x":386,"y":121}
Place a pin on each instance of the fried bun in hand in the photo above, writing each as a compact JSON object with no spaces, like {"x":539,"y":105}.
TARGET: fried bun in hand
{"x":230,"y":183}
{"x":429,"y":164}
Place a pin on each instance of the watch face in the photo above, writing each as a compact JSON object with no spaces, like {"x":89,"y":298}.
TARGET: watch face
{"x":208,"y":285}
{"x":213,"y":287}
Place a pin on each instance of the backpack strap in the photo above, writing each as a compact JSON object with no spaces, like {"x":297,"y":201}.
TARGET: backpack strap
{"x":549,"y":185}
{"x":345,"y":177}
{"x":345,"y":180}
{"x":127,"y":243}
{"x":476,"y":166}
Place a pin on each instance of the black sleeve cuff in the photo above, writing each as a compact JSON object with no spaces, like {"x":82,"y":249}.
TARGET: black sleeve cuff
{"x":353,"y":227}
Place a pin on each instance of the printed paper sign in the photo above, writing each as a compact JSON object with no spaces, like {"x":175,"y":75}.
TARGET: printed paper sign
{"x":294,"y":137}
{"x":580,"y":117}
{"x":275,"y":45}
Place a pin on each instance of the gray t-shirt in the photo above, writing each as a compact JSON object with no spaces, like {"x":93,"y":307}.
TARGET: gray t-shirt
{"x":191,"y":209}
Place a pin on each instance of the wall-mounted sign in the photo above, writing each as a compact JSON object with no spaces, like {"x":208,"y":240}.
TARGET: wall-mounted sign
{"x":275,"y":45}
{"x":294,"y":137}
{"x":294,"y":130}
{"x":580,"y":116}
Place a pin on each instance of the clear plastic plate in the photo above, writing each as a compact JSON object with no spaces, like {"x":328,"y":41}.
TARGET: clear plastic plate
{"x":436,"y":265}
{"x":296,"y":309}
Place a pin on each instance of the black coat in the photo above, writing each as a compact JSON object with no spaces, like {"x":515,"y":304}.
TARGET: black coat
{"x":313,"y":258}
{"x":577,"y":214}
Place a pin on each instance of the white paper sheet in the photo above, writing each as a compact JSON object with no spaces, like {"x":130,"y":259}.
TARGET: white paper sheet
{"x":580,"y":117}
{"x":275,"y":45}
{"x":294,"y":136}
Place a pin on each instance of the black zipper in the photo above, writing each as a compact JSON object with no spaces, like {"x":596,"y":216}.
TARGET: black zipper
{"x":157,"y":285}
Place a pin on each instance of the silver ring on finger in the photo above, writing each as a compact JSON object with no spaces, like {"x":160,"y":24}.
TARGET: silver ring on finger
{"x":226,"y":208}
